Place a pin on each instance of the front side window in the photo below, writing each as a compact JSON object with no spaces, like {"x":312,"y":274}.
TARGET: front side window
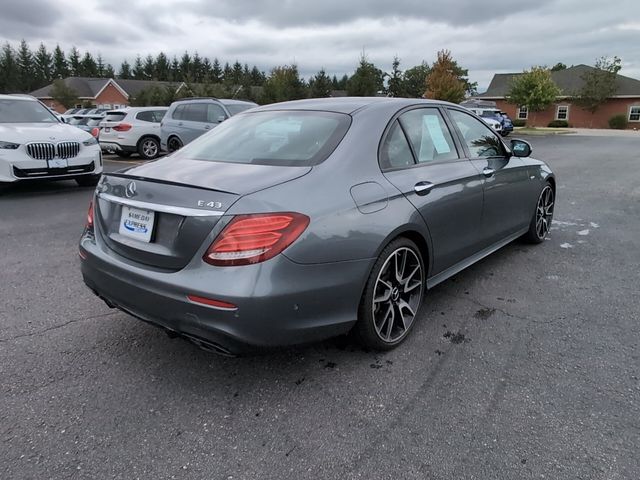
{"x":178,"y":113}
{"x":480,"y":139}
{"x":523,"y":113}
{"x":634,"y":114}
{"x":562,"y":112}
{"x":429,"y":135}
{"x":25,"y":111}
{"x":287,"y":138}
{"x":215,"y":113}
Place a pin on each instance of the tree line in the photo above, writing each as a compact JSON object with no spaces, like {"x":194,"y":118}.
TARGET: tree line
{"x":23,"y":70}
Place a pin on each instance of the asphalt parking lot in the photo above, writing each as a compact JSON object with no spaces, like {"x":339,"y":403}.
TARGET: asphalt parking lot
{"x":526,"y":365}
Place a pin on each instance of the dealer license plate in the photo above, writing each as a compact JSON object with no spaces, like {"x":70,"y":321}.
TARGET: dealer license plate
{"x":137,"y":223}
{"x":57,"y":163}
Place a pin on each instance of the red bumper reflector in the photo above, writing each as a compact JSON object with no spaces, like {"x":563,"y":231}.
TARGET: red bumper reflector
{"x":212,"y":303}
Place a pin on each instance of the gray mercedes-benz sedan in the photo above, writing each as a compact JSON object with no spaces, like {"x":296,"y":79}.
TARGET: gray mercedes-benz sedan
{"x":299,"y":221}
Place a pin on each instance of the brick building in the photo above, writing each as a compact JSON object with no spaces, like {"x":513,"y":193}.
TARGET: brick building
{"x":100,"y":92}
{"x":626,"y":100}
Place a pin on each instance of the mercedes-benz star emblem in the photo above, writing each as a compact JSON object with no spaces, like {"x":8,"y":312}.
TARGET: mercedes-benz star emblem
{"x":130,"y":191}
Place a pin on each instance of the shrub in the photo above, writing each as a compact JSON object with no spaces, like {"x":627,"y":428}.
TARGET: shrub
{"x":558,"y":124}
{"x":619,"y":122}
{"x":519,"y":123}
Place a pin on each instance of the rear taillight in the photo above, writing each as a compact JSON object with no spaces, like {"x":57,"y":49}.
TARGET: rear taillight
{"x":89,"y":224}
{"x":122,"y":127}
{"x":255,"y":238}
{"x":95,"y":131}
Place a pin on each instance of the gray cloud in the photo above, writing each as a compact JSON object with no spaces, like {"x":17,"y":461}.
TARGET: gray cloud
{"x":332,"y":33}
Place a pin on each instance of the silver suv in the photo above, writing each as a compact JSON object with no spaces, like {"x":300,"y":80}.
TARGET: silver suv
{"x":131,"y":130}
{"x":189,"y":118}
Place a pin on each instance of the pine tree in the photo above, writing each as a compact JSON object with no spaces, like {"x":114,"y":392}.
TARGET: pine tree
{"x":109,"y":72}
{"x":196,"y":72}
{"x":216,"y":71}
{"x":100,"y":66}
{"x":257,"y":77}
{"x":367,"y":79}
{"x":43,"y":66}
{"x":9,"y":77}
{"x":395,"y":88}
{"x":149,"y":68}
{"x":284,"y":83}
{"x":138,"y":70}
{"x":162,"y":67}
{"x":26,"y":71}
{"x":185,"y":68}
{"x":227,"y":74}
{"x":88,"y":66}
{"x":174,"y":71}
{"x":320,"y":85}
{"x":60,"y":65}
{"x":74,"y":62}
{"x":125,"y":71}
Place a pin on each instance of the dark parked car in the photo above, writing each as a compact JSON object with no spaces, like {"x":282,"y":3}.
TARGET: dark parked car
{"x":299,"y":221}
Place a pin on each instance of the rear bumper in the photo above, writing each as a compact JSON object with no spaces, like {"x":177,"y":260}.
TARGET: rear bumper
{"x":114,"y":147}
{"x":278,"y":302}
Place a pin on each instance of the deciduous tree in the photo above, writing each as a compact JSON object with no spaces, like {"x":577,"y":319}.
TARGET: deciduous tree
{"x":534,"y":89}
{"x":443,"y":82}
{"x":599,"y":84}
{"x":63,"y":94}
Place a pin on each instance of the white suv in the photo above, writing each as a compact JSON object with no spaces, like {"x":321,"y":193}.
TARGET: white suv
{"x":35,"y":144}
{"x":131,"y":130}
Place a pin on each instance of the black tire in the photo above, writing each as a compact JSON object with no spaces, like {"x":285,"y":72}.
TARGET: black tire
{"x":122,"y":154}
{"x":369,"y":329}
{"x":505,"y":134}
{"x":542,"y":215}
{"x":148,"y":148}
{"x":88,"y":180}
{"x":174,"y":144}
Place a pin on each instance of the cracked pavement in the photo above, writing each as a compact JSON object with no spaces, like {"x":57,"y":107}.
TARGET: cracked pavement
{"x":526,"y":365}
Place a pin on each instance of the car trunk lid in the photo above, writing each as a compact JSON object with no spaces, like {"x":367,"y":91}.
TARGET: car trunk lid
{"x":160,"y":217}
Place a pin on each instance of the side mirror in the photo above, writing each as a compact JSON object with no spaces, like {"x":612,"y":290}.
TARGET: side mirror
{"x":520,"y":148}
{"x":221,"y":118}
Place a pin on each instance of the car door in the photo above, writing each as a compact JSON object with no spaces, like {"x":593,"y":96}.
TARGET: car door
{"x":506,"y":205}
{"x":194,"y":122}
{"x":419,"y":156}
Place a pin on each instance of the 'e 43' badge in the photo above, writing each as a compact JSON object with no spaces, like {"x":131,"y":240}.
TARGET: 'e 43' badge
{"x":202,"y":203}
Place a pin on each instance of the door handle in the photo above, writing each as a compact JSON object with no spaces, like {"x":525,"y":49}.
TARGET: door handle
{"x":179,"y":124}
{"x":422,"y":188}
{"x":488,"y":172}
{"x":207,"y":127}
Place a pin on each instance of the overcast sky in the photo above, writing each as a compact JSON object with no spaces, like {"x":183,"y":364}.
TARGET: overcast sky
{"x":485,"y":37}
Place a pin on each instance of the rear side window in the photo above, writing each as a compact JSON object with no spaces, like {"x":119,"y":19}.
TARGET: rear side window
{"x":195,"y":112}
{"x":395,"y":152}
{"x":429,"y":135}
{"x":284,"y":138}
{"x":145,"y":116}
{"x":114,"y":116}
{"x":179,"y":111}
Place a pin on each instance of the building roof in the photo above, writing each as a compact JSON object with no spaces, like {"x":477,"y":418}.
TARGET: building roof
{"x":87,"y":87}
{"x":570,"y":81}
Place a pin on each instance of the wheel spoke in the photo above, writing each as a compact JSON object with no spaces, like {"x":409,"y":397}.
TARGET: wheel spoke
{"x":400,"y":266}
{"x":385,"y":296}
{"x":402,"y":305}
{"x":390,"y":321}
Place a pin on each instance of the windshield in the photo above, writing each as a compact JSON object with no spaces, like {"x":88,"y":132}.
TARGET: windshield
{"x":289,"y":138}
{"x":24,"y":111}
{"x":236,"y":108}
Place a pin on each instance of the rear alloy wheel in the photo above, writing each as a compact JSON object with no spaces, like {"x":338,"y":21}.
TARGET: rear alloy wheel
{"x":173,"y":144}
{"x":542,"y":217}
{"x":148,"y":148}
{"x":392,"y":297}
{"x":88,"y":180}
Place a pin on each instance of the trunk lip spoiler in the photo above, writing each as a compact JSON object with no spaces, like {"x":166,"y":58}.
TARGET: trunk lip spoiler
{"x":158,"y":207}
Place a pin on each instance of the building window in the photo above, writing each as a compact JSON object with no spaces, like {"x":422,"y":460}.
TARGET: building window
{"x":523,"y":113}
{"x":562,"y":112}
{"x":634,"y":114}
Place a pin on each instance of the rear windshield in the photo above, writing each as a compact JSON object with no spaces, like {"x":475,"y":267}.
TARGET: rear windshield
{"x":25,"y":111}
{"x":236,"y":108}
{"x":289,"y":138}
{"x":114,"y":116}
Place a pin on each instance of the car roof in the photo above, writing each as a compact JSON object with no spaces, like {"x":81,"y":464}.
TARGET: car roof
{"x":18,"y":96}
{"x":224,"y":101}
{"x":348,"y":105}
